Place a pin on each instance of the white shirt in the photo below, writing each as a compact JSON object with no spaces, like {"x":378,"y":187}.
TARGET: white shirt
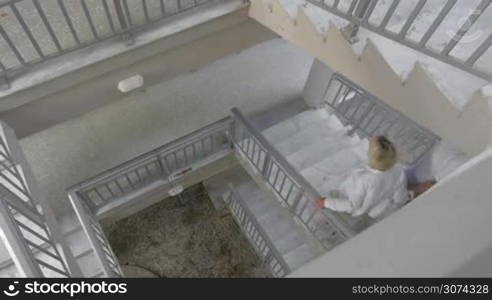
{"x":371,"y":191}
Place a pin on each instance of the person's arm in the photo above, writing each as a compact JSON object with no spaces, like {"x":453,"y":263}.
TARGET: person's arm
{"x":356,"y":192}
{"x":340,"y":205}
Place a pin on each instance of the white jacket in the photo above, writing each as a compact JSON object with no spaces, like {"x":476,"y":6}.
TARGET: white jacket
{"x":371,"y":191}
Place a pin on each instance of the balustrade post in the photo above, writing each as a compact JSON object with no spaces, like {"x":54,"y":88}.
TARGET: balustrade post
{"x":4,"y":82}
{"x":124,"y":20}
{"x":350,"y":31}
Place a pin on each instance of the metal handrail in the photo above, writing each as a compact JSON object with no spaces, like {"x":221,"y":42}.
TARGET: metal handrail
{"x":369,"y":116}
{"x":158,"y":164}
{"x":264,"y":246}
{"x":175,"y":144}
{"x":97,"y":240}
{"x":26,"y":233}
{"x":362,"y":18}
{"x":120,"y":19}
{"x":289,"y":169}
{"x":306,"y":188}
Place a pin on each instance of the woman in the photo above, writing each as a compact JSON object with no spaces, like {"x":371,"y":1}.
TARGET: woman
{"x":376,"y":190}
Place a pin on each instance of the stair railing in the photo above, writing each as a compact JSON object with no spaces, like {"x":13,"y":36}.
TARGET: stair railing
{"x":167,"y":163}
{"x":359,"y":13}
{"x":97,"y":238}
{"x":264,"y":247}
{"x":101,"y":21}
{"x":294,"y":191}
{"x":369,"y":116}
{"x":28,"y":228}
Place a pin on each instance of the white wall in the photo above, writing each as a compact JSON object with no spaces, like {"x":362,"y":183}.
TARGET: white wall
{"x":317,"y":83}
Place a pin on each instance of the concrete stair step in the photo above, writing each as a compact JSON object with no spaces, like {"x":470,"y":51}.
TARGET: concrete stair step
{"x":287,"y":128}
{"x":317,"y":151}
{"x":300,"y":256}
{"x":289,"y":242}
{"x":278,"y":223}
{"x":307,"y":136}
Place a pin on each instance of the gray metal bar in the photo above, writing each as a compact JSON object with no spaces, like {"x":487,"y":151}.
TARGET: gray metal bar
{"x":20,"y":189}
{"x":466,"y":27}
{"x":69,"y":21}
{"x":16,"y":172}
{"x":48,"y":266}
{"x":89,"y":19}
{"x":96,"y":189}
{"x":43,"y":250}
{"x":146,"y":10}
{"x":163,"y":7}
{"x":93,"y":240}
{"x":367,"y":14}
{"x":389,"y":14}
{"x":480,"y":51}
{"x":352,"y":7}
{"x":415,"y":12}
{"x":12,"y":45}
{"x":37,"y":235}
{"x":361,"y":8}
{"x":20,"y":206}
{"x":128,"y":14}
{"x":106,"y":185}
{"x":121,"y":15}
{"x":27,"y":30}
{"x":437,"y":22}
{"x":108,"y":15}
{"x":47,"y":25}
{"x":16,"y":245}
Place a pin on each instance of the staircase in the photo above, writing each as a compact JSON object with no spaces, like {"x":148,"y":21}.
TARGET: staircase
{"x":292,"y":245}
{"x":79,"y":245}
{"x":320,"y":148}
{"x":312,"y":151}
{"x":408,"y":81}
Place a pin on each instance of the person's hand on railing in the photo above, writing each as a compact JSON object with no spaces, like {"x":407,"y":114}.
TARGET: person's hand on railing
{"x":320,"y":203}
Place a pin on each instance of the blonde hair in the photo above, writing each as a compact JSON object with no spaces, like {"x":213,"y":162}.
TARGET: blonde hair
{"x":382,"y":153}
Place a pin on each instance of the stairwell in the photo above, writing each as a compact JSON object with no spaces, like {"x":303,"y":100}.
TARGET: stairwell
{"x":408,"y":82}
{"x":291,"y":241}
{"x":319,"y":145}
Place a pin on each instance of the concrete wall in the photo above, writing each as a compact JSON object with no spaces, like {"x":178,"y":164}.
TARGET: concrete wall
{"x":317,"y":83}
{"x":91,"y":87}
{"x":445,"y":232}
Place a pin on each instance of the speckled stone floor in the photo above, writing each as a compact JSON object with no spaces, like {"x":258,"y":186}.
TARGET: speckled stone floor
{"x":176,"y":238}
